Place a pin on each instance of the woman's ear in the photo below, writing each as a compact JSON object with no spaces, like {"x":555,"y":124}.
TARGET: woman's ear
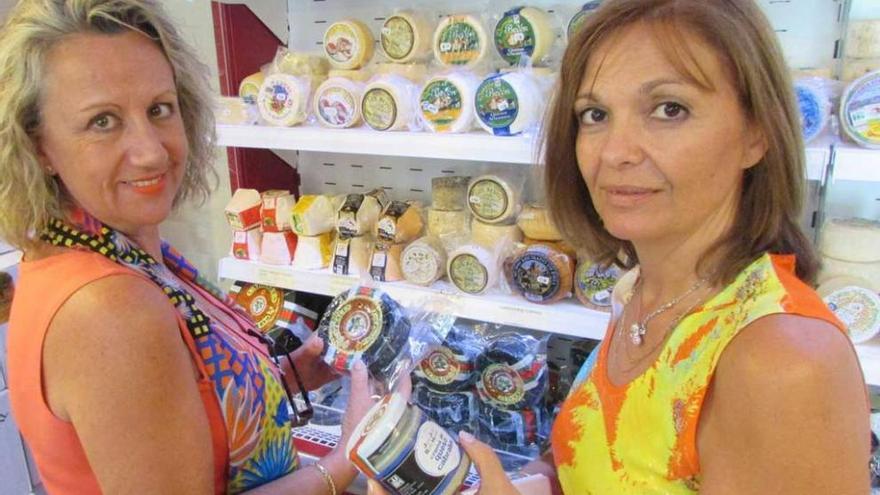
{"x":756,"y":146}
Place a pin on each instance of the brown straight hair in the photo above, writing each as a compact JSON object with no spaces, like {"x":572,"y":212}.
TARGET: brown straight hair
{"x":772,"y":190}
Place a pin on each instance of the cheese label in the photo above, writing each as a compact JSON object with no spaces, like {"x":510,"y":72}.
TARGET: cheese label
{"x":341,"y":43}
{"x":278,"y":99}
{"x":501,"y":384}
{"x":336,"y":107}
{"x":858,"y":309}
{"x":347,"y":219}
{"x":442,"y":366}
{"x":387,"y":226}
{"x":488,"y":199}
{"x":380,"y":109}
{"x":378,"y":264}
{"x":596,"y":283}
{"x":441,"y":104}
{"x":497,"y":104}
{"x":458,"y":43}
{"x":398,"y":37}
{"x":514,"y":36}
{"x":536,"y":276}
{"x":577,"y":21}
{"x":420,"y":264}
{"x":341,"y":256}
{"x":468,"y":274}
{"x":862,"y":112}
{"x":262,"y":303}
{"x":355,"y":325}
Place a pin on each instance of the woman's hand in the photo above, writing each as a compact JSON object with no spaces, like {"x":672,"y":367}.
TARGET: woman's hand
{"x":361,"y":399}
{"x":493,"y":479}
{"x":313,"y":371}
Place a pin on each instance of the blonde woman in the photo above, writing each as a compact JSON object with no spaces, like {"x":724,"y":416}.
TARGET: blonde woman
{"x":129,"y":373}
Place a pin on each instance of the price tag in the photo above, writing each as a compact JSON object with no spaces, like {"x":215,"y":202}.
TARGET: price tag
{"x":276,"y":278}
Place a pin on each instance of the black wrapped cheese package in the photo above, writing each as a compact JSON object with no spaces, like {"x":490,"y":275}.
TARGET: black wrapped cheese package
{"x":513,"y":372}
{"x":456,"y":411}
{"x":452,"y":366}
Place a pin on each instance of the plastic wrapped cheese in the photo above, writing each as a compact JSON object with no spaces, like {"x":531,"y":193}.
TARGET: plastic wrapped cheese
{"x":863,"y":39}
{"x":851,"y":239}
{"x":357,"y":215}
{"x":400,"y":222}
{"x":415,"y":73}
{"x":860,"y":110}
{"x":300,"y":64}
{"x":512,"y":372}
{"x":385,"y":262}
{"x":348,"y":44}
{"x":494,"y":199}
{"x":313,"y":252}
{"x":535,"y":222}
{"x":243,"y":209}
{"x":442,"y":222}
{"x":351,"y":256}
{"x":524,"y":32}
{"x":542,"y":274}
{"x":246,"y":244}
{"x":495,"y":236}
{"x":278,"y":248}
{"x":387,"y":104}
{"x":460,"y":40}
{"x":405,"y":37}
{"x":473,"y":268}
{"x":858,"y":309}
{"x":508,"y":104}
{"x":594,"y":283}
{"x":814,"y":104}
{"x":275,"y":210}
{"x":446,"y":102}
{"x":358,"y":75}
{"x":424,"y":261}
{"x":449,"y":193}
{"x":313,"y":215}
{"x":284,"y":99}
{"x":236,"y":111}
{"x":578,"y":19}
{"x":250,"y":86}
{"x":557,"y":245}
{"x":337,"y":103}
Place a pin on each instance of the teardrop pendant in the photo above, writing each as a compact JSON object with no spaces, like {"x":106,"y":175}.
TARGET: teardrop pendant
{"x":636,"y":331}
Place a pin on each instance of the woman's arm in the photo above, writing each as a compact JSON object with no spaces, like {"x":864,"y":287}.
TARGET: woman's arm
{"x":787,"y":413}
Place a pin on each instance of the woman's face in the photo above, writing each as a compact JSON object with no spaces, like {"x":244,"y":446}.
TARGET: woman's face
{"x":662,"y":157}
{"x":111,"y":128}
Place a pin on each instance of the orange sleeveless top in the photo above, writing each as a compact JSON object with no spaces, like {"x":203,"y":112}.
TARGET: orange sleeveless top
{"x":43,"y":288}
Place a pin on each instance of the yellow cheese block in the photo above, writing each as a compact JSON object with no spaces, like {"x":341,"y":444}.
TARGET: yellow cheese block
{"x":535,"y":222}
{"x":348,"y":44}
{"x":400,"y":222}
{"x":313,"y":252}
{"x":313,"y":215}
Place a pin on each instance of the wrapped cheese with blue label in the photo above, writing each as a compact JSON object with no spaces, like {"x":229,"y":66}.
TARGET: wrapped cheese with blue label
{"x":508,"y":104}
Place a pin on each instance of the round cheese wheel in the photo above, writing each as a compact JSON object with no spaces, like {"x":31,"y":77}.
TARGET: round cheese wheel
{"x":424,"y":261}
{"x":460,"y":40}
{"x":815,"y":109}
{"x":250,"y":87}
{"x":578,"y":19}
{"x":348,"y":44}
{"x":283,"y":99}
{"x":415,"y":73}
{"x":450,"y":367}
{"x":497,"y":237}
{"x":508,"y":104}
{"x":542,"y":275}
{"x":512,"y":373}
{"x":851,"y":239}
{"x":385,"y":262}
{"x":858,"y":309}
{"x":863,"y":39}
{"x":358,"y":75}
{"x":535,"y":222}
{"x":524,"y":32}
{"x":860,"y":110}
{"x":363,"y":323}
{"x":594,"y":284}
{"x":446,"y":102}
{"x":473,"y":269}
{"x":455,"y":411}
{"x":386,"y":104}
{"x":405,"y":37}
{"x":835,"y":283}
{"x":442,"y":223}
{"x":493,"y":199}
{"x":449,"y":193}
{"x":338,"y":103}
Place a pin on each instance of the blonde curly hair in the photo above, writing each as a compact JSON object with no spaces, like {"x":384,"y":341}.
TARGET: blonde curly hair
{"x":30,"y":197}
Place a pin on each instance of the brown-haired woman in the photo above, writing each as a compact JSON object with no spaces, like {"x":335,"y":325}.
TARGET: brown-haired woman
{"x":721,"y":371}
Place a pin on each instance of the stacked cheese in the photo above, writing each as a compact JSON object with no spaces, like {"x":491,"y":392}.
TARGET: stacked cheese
{"x":448,"y":214}
{"x":313,"y":219}
{"x":400,"y":223}
{"x":261,"y":226}
{"x":355,"y":223}
{"x":850,"y":276}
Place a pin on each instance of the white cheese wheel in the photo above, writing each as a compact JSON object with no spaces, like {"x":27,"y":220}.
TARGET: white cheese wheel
{"x":858,"y":309}
{"x":508,"y":104}
{"x":493,"y":199}
{"x":851,"y":239}
{"x":278,"y":248}
{"x":338,"y":103}
{"x":313,"y":252}
{"x":387,"y":104}
{"x":275,"y":210}
{"x":348,"y":44}
{"x":250,"y":86}
{"x":405,"y":37}
{"x":385,"y":262}
{"x":442,"y":223}
{"x":446,"y":102}
{"x":473,"y":269}
{"x":863,"y":39}
{"x":814,"y":104}
{"x":415,"y":73}
{"x":833,"y":268}
{"x":449,"y":192}
{"x":524,"y":32}
{"x":495,"y":236}
{"x":860,"y":110}
{"x":854,"y":68}
{"x":283,"y":99}
{"x":246,"y":244}
{"x":243,"y":209}
{"x":535,"y":222}
{"x":313,"y":215}
{"x":358,"y":215}
{"x":236,"y":111}
{"x":578,"y":19}
{"x":351,"y":256}
{"x":460,"y":40}
{"x":424,"y":261}
{"x":358,"y":75}
{"x":400,"y":222}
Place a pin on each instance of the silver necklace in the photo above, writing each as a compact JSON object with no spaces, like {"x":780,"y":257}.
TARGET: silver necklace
{"x":638,"y":329}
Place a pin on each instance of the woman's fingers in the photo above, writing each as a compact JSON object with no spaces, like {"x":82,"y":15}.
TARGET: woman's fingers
{"x":493,"y":479}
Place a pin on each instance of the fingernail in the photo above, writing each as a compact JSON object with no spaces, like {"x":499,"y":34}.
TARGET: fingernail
{"x":465,"y":437}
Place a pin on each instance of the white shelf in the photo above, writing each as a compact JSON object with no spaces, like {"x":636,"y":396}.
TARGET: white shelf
{"x":9,"y":259}
{"x":854,"y":163}
{"x":476,"y":146}
{"x":566,"y":318}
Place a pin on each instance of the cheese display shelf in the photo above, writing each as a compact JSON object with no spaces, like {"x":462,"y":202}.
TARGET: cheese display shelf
{"x":565,"y":318}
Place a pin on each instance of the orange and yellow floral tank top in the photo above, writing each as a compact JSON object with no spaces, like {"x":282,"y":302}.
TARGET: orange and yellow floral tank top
{"x":641,"y":438}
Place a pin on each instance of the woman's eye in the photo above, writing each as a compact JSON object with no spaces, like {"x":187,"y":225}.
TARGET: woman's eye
{"x":161,"y":110}
{"x":669,"y":111}
{"x":103,"y":122}
{"x":593,"y":116}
